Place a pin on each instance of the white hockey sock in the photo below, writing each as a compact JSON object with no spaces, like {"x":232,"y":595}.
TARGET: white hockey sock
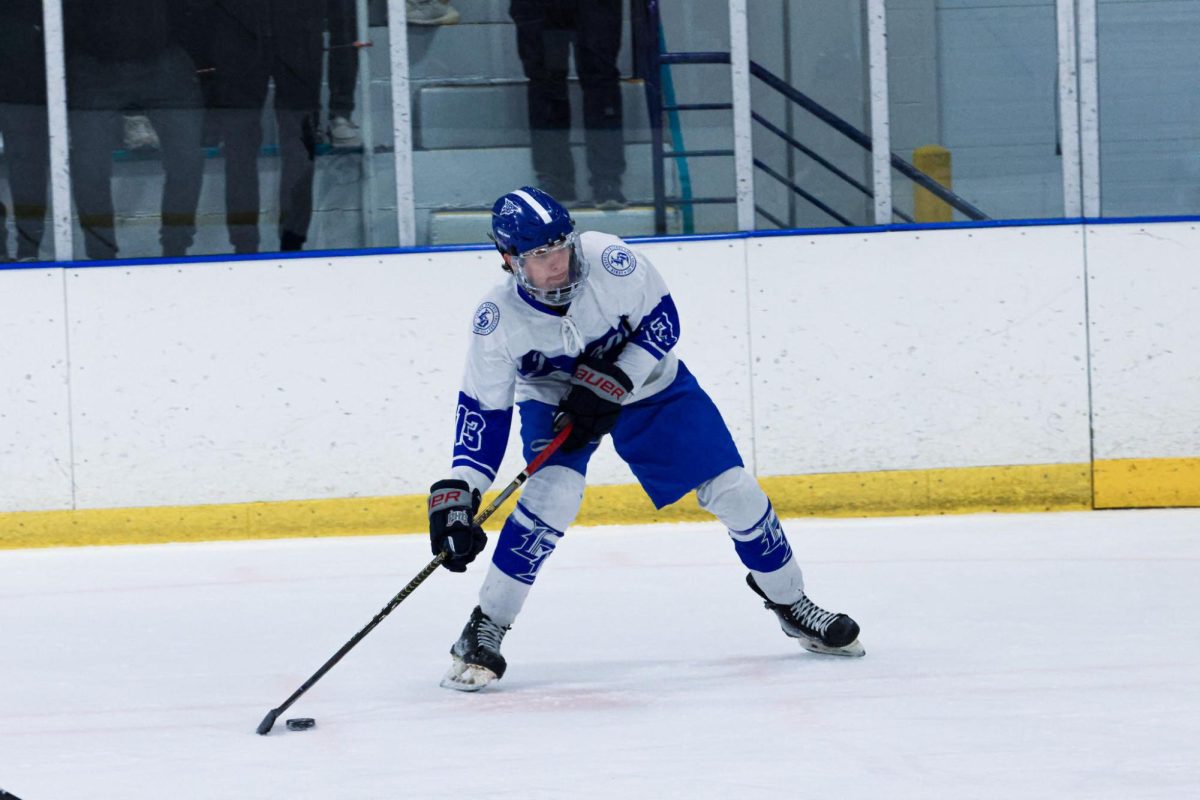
{"x":740,"y":503}
{"x":502,"y":597}
{"x":734,"y":497}
{"x":785,"y":585}
{"x":549,"y":502}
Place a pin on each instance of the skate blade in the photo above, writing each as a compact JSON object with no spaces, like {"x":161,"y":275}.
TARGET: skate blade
{"x":464,"y":677}
{"x":852,"y":650}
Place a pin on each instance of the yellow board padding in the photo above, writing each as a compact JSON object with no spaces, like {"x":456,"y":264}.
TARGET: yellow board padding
{"x":273,"y":520}
{"x":959,"y":490}
{"x":1043,"y":487}
{"x":1147,"y":482}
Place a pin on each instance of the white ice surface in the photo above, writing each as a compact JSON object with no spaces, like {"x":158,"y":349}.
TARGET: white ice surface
{"x":1012,"y":656}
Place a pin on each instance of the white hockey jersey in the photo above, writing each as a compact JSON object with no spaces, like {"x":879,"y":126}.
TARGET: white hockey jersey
{"x":522,"y":349}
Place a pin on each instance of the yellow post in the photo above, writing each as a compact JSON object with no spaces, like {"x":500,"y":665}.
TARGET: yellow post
{"x":934,"y":161}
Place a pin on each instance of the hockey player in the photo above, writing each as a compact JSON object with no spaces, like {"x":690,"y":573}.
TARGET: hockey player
{"x":582,"y":331}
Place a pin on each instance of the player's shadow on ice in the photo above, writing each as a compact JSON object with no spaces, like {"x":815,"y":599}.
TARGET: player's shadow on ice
{"x":630,"y":683}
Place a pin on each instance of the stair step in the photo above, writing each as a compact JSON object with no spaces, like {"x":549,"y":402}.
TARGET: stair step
{"x":482,"y":51}
{"x":478,"y":176}
{"x":470,"y":11}
{"x":470,"y":227}
{"x":496,"y":115}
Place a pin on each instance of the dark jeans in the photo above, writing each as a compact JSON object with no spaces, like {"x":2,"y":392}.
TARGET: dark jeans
{"x":27,"y":153}
{"x":246,"y":64}
{"x":546,"y":31}
{"x":164,"y":86}
{"x":343,"y":56}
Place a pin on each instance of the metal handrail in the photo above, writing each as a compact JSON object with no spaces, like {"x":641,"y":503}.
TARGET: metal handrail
{"x":655,"y":59}
{"x":863,"y":140}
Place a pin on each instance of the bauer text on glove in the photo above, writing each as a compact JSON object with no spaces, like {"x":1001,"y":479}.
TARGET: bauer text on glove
{"x":593,"y":401}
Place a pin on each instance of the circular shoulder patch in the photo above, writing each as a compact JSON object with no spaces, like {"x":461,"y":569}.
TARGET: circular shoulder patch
{"x":618,"y":260}
{"x":487,"y":317}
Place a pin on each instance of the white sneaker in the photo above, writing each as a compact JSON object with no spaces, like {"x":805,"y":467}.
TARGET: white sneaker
{"x":431,"y":12}
{"x":344,"y":133}
{"x":139,"y":133}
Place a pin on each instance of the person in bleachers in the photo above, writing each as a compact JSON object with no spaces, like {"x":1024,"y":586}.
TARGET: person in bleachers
{"x":546,"y":31}
{"x":124,"y":55}
{"x":254,"y":44}
{"x":23,"y":124}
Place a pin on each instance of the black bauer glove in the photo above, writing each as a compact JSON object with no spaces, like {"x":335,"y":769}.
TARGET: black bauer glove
{"x":593,"y":402}
{"x":452,"y":506}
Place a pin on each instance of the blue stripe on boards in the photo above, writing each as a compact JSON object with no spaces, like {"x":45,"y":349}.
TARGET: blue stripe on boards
{"x":703,"y":237}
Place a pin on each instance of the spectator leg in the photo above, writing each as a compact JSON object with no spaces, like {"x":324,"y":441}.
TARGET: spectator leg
{"x":543,"y":45}
{"x":27,"y":146}
{"x":179,"y":131}
{"x":297,"y":150}
{"x":297,"y":110}
{"x":177,"y":114}
{"x":91,"y":178}
{"x":241,"y":130}
{"x":96,"y":93}
{"x":597,"y":47}
{"x":343,"y":57}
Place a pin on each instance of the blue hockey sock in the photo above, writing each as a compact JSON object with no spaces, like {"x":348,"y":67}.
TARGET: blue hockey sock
{"x":525,"y":542}
{"x":763,"y":547}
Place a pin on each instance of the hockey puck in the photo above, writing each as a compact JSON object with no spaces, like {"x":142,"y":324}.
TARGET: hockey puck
{"x":301,"y":723}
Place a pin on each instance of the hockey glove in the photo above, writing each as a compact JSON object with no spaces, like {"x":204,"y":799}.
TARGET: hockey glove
{"x":593,"y":402}
{"x":452,"y":505}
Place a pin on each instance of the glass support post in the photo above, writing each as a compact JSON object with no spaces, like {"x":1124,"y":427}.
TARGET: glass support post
{"x":402,"y":123}
{"x":60,"y":151}
{"x":881,"y":145}
{"x":1089,"y":109}
{"x":743,"y":140}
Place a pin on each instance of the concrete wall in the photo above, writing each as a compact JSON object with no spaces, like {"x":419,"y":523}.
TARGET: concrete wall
{"x":320,"y":378}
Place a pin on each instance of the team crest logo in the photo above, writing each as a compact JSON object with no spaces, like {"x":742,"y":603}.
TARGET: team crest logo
{"x":663,"y":331}
{"x":509,"y":207}
{"x":535,"y":546}
{"x":487,"y":317}
{"x":618,"y":260}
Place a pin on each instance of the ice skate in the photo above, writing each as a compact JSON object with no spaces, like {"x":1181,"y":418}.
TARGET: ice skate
{"x":477,"y":660}
{"x":817,"y":630}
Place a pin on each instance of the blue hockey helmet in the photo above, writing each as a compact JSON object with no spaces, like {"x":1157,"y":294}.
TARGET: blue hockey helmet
{"x":539,"y":234}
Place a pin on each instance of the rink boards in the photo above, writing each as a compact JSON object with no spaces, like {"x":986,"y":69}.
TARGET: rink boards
{"x":901,"y":371}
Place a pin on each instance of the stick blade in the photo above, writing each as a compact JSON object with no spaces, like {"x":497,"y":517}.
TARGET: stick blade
{"x":268,"y":722}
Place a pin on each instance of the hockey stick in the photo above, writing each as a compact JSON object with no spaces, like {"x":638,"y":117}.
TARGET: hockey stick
{"x":268,"y":722}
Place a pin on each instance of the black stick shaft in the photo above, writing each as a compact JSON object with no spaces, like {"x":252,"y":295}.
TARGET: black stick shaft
{"x":269,"y":720}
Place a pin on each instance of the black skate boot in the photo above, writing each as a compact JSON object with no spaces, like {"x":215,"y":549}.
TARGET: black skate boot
{"x":817,"y":630}
{"x":477,"y":659}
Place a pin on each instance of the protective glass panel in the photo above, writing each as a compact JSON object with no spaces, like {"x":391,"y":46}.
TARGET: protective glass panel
{"x":973,"y":97}
{"x":1149,"y":60}
{"x":698,"y":167}
{"x":25,"y":233}
{"x":216,"y":126}
{"x":550,"y":94}
{"x":810,"y":101}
